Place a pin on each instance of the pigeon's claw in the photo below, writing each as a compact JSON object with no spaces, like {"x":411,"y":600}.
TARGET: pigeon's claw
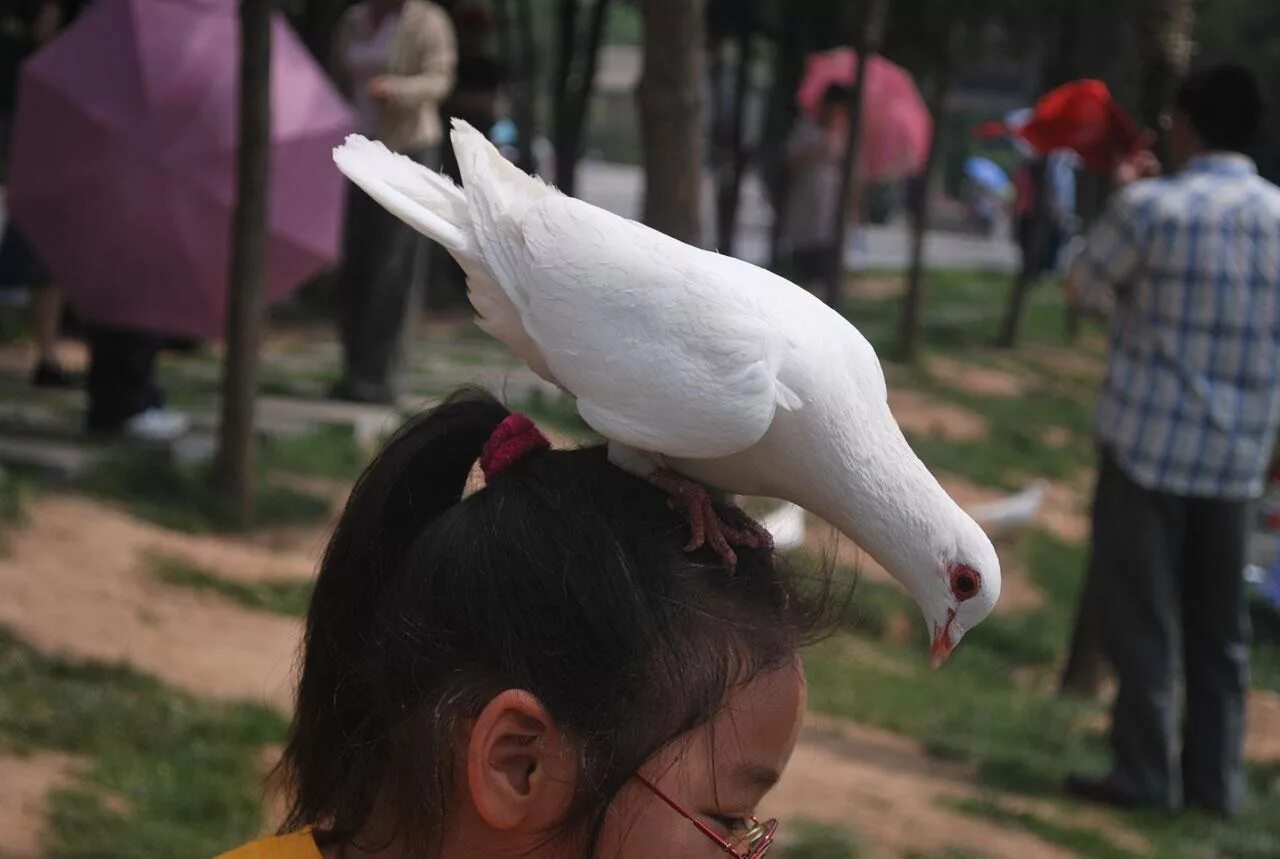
{"x":706,"y":528}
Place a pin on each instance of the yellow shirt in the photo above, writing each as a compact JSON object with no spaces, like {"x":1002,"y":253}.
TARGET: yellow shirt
{"x":300,"y":845}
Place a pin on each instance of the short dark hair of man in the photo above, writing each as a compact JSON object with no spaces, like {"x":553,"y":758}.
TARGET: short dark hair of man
{"x":1223,"y":102}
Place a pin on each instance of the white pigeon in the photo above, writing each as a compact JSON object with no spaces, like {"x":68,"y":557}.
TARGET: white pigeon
{"x":694,"y":363}
{"x":1012,"y":511}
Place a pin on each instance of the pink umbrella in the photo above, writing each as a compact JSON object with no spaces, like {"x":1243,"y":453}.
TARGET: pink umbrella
{"x":896,"y":127}
{"x":124,"y":158}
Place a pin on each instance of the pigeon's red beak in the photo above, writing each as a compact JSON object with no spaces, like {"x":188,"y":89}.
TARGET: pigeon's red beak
{"x":942,"y":645}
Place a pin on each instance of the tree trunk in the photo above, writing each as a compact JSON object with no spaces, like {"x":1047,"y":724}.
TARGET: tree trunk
{"x":1165,"y":46}
{"x":671,"y":116}
{"x":866,"y":42}
{"x":524,"y":109}
{"x":316,"y":26}
{"x":246,"y":305}
{"x":913,"y":301}
{"x":788,"y":68}
{"x":729,"y":175}
{"x":574,"y":84}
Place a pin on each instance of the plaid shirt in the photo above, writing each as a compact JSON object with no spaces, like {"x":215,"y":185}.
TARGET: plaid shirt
{"x":1190,"y":266}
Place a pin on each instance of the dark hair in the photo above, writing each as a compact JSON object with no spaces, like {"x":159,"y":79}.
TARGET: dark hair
{"x":1224,"y":105}
{"x":565,"y":577}
{"x":836,"y":94}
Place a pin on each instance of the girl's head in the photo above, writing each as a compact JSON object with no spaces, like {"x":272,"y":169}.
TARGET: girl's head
{"x":526,"y":669}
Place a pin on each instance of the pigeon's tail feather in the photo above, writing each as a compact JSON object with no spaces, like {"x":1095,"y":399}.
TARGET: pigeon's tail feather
{"x":422,"y":198}
{"x":499,"y":194}
{"x":436,"y":207}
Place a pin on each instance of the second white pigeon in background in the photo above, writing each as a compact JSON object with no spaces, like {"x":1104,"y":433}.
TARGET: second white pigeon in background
{"x":695,"y":363}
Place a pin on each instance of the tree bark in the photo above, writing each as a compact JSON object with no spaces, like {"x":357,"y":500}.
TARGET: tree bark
{"x":913,"y":301}
{"x":866,"y":43}
{"x":246,"y":305}
{"x":788,"y":68}
{"x":316,"y":25}
{"x":524,"y":108}
{"x":1165,"y":46}
{"x":671,"y":116}
{"x":574,"y":85}
{"x":729,"y":174}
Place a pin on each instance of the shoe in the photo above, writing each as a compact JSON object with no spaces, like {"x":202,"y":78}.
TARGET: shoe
{"x":1105,"y":790}
{"x":157,"y":425}
{"x":49,"y":375}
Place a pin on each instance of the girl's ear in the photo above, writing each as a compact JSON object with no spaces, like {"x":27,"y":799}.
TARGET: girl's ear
{"x":521,"y":768}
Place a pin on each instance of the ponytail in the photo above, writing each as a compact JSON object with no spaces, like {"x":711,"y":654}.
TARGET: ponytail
{"x":420,"y":474}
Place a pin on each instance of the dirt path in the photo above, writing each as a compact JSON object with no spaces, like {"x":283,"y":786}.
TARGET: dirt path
{"x":24,"y":783}
{"x":77,"y":582}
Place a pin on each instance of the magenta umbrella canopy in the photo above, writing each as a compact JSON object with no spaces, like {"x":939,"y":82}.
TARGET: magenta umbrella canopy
{"x":896,"y":126}
{"x":124,"y":162}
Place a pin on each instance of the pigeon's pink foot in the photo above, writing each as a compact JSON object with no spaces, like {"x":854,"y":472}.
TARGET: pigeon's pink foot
{"x":706,"y":528}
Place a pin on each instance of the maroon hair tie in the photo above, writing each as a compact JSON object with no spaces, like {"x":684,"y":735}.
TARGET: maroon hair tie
{"x":513,"y":439}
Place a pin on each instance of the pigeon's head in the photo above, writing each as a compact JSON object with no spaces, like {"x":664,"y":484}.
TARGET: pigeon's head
{"x":959,"y":586}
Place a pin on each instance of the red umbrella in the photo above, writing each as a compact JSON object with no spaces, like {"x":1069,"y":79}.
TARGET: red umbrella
{"x":1081,"y":116}
{"x":124,"y":154}
{"x":896,"y":127}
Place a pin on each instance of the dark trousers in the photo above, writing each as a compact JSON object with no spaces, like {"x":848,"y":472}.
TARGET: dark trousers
{"x":121,"y":382}
{"x":377,"y":287}
{"x":1170,"y":572}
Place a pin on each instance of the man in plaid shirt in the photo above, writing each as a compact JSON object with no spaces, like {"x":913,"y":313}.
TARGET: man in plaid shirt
{"x":1189,"y":267}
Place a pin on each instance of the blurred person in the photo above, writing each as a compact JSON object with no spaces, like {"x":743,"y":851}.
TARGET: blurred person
{"x":395,"y":60}
{"x":537,"y":667}
{"x":814,"y":156}
{"x":124,"y":396}
{"x":24,"y":27}
{"x":1059,"y":183}
{"x":1189,"y":265}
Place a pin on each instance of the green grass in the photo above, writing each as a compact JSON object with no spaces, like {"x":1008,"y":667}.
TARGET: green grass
{"x":1085,"y":842}
{"x":184,"y":499}
{"x":962,"y":311}
{"x":961,"y":318}
{"x":803,"y":839}
{"x":15,"y":490}
{"x":280,"y":597}
{"x":185,"y":771}
{"x":329,"y":450}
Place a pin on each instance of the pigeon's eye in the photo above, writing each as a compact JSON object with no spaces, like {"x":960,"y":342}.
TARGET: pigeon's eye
{"x":965,"y":582}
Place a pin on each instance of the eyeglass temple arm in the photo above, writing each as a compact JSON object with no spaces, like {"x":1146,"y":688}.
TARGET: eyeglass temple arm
{"x":679,"y":809}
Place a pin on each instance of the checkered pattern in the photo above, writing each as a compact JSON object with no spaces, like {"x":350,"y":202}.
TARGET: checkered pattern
{"x":1190,"y":267}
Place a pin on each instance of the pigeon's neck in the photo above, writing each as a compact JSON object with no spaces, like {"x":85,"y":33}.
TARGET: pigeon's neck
{"x":879,"y":494}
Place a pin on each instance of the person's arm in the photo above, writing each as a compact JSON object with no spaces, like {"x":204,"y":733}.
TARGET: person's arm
{"x":1113,"y":253}
{"x":433,"y":81}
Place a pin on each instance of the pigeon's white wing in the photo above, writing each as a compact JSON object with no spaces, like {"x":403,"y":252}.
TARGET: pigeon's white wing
{"x":666,"y":347}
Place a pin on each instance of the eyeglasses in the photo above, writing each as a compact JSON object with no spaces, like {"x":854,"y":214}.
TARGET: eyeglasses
{"x":752,"y":844}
